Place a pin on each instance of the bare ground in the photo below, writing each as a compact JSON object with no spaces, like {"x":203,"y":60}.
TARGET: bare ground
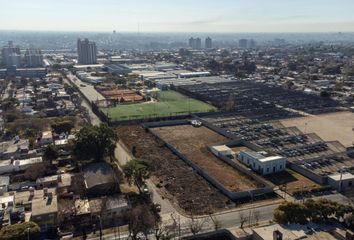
{"x":330,"y":127}
{"x":193,"y":143}
{"x":185,"y":188}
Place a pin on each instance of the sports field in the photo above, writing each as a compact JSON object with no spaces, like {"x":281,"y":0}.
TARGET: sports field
{"x":170,"y":103}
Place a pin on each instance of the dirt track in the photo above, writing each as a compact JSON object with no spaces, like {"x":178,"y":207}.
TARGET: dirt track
{"x":193,"y":142}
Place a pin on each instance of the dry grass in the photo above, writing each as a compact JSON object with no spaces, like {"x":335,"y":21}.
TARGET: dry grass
{"x":193,"y":143}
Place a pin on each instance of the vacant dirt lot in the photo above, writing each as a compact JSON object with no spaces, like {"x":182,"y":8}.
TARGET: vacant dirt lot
{"x":294,"y":182}
{"x":185,"y":188}
{"x":330,"y":127}
{"x":192,"y":142}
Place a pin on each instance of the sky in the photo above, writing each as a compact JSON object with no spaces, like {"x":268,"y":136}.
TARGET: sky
{"x":178,"y":15}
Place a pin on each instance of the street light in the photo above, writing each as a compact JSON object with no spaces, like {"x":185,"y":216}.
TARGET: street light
{"x":343,"y":168}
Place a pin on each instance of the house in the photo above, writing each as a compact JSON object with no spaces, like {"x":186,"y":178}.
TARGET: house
{"x":47,"y":138}
{"x":6,"y":205}
{"x":221,"y":150}
{"x":62,"y":182}
{"x":14,"y":149}
{"x":262,"y":164}
{"x":100,"y":179}
{"x":41,"y":206}
{"x":110,"y":209}
{"x":341,"y":181}
{"x":296,"y":231}
{"x":45,"y":210}
{"x":4,"y":184}
{"x":9,"y":166}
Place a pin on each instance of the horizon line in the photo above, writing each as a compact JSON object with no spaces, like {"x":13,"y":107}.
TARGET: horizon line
{"x":166,"y":32}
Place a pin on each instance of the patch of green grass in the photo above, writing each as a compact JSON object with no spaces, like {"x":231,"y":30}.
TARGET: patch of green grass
{"x":170,"y":103}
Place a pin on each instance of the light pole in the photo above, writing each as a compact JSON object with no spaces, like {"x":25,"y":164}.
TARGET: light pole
{"x":28,"y":236}
{"x":343,"y":168}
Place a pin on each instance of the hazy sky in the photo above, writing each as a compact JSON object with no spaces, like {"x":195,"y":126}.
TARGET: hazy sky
{"x":178,"y":15}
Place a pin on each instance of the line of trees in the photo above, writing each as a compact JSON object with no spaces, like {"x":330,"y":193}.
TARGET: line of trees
{"x":315,"y":211}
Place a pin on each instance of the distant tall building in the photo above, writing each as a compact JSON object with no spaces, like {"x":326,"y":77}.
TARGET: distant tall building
{"x":243,"y":43}
{"x":198,"y":43}
{"x":208,"y":43}
{"x":252,"y":43}
{"x":87,"y":52}
{"x":191,"y":42}
{"x":195,"y":43}
{"x":33,"y":57}
{"x":11,"y":55}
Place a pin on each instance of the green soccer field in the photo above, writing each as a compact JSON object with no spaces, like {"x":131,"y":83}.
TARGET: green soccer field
{"x":170,"y":103}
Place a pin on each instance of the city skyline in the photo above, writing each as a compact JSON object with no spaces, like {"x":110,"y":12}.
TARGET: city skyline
{"x":182,"y":16}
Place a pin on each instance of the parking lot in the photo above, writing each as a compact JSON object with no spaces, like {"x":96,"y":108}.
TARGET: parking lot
{"x":330,"y":127}
{"x":254,"y":99}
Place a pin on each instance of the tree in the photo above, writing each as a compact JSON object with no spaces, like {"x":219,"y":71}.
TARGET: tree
{"x":20,"y":231}
{"x":141,"y":221}
{"x":230,"y":105}
{"x":256,"y":215}
{"x":63,"y":127}
{"x":50,"y":153}
{"x":196,"y":225}
{"x":136,"y":172}
{"x":161,"y":230}
{"x":35,"y":171}
{"x":95,"y":142}
{"x":243,"y":219}
{"x":310,"y":210}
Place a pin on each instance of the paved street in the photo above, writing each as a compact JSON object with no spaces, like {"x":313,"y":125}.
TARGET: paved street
{"x":87,"y":89}
{"x":6,"y":92}
{"x":93,"y":118}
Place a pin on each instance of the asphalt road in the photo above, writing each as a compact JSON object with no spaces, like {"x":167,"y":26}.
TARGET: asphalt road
{"x":93,"y":118}
{"x":87,"y":89}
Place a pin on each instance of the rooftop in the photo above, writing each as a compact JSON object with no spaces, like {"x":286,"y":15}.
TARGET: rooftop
{"x":345,"y":176}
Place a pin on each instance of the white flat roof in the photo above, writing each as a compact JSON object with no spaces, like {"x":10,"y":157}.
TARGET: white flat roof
{"x":221,"y":148}
{"x":345,"y":176}
{"x":271,"y":158}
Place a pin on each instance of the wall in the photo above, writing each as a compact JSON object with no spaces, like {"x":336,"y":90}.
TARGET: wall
{"x":232,"y":195}
{"x":309,"y":174}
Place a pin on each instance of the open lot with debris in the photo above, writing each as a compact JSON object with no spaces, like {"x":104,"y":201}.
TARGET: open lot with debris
{"x":330,"y":127}
{"x":193,"y":143}
{"x":184,"y":187}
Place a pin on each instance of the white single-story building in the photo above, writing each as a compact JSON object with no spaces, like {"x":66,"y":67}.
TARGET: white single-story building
{"x":339,"y":182}
{"x":9,"y":166}
{"x":221,"y":150}
{"x":262,"y":164}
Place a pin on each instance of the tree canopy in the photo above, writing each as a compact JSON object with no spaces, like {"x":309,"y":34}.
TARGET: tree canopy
{"x":20,"y":231}
{"x":95,"y":142}
{"x":63,"y":126}
{"x":136,"y":172}
{"x":310,"y":210}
